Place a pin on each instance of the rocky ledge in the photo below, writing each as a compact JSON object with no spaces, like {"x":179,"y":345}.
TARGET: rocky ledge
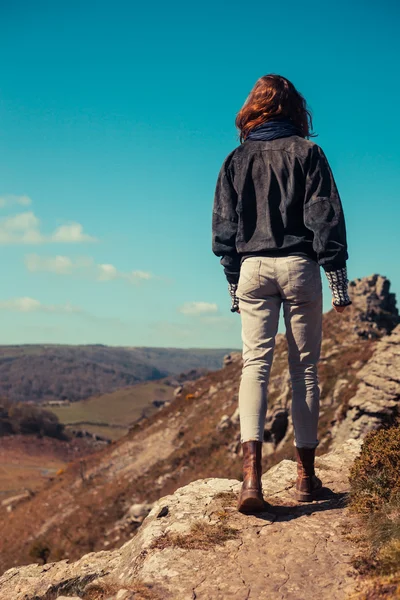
{"x":194,"y":544}
{"x":377,"y":398}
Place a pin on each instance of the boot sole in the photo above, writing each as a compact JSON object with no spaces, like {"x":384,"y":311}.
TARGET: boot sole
{"x":307,"y":496}
{"x":250,"y":503}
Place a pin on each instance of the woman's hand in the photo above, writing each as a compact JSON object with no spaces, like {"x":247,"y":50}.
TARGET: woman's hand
{"x":338,"y":309}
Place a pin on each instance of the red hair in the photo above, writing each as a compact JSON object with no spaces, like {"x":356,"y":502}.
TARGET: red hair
{"x":272,"y":97}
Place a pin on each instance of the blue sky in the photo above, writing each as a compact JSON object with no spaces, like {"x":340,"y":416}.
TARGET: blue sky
{"x":115,"y":118}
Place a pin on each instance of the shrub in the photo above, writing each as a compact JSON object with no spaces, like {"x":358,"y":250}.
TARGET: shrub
{"x":375,"y":474}
{"x":375,"y":494}
{"x":29,"y":419}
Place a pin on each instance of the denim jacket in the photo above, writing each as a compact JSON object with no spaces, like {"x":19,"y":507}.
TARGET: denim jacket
{"x":277,"y":197}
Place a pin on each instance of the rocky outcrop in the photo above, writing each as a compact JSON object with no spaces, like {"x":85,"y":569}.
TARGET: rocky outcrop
{"x":194,"y":544}
{"x":375,"y":306}
{"x":377,"y":398}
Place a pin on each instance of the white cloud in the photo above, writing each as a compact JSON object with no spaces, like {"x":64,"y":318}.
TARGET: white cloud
{"x":12,"y":200}
{"x":107,"y":272}
{"x":141,"y":275}
{"x":71,"y":233}
{"x":57,"y":264}
{"x":22,"y":222}
{"x":24,"y":228}
{"x":194,"y":309}
{"x":29,"y":305}
{"x":85,"y":266}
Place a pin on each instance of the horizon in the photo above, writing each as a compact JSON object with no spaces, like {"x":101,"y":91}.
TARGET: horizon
{"x":115,"y":122}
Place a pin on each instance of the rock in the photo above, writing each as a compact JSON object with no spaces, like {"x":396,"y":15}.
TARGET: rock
{"x":276,"y":425}
{"x":206,"y":549}
{"x":229,"y":359}
{"x":213,"y":390}
{"x":333,"y":398}
{"x":162,"y":479}
{"x":375,"y":305}
{"x":378,"y":395}
{"x":122,"y":595}
{"x":235,"y":446}
{"x":140,"y":511}
{"x":9,"y":503}
{"x":235,"y":418}
{"x":178,"y":391}
{"x":224,"y":423}
{"x":158,"y":403}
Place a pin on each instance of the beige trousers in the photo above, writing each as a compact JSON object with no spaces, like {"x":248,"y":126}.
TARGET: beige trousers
{"x":265,"y":283}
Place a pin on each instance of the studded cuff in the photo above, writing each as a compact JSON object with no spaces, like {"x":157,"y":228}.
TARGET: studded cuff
{"x":232,"y":287}
{"x":338,"y":284}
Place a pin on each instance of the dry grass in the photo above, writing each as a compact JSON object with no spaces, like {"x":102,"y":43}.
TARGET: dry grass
{"x":201,"y":536}
{"x":226,"y":498}
{"x":375,"y":495}
{"x":384,"y":588}
{"x":102,"y":590}
{"x":375,"y":475}
{"x":138,"y":591}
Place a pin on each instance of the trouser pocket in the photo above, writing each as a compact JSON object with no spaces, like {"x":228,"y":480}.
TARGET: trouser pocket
{"x":249,"y":279}
{"x":304,"y":278}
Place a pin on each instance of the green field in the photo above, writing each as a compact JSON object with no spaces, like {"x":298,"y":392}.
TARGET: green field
{"x":111,"y":414}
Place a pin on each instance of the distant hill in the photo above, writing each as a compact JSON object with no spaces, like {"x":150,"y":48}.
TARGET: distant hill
{"x":51,"y":372}
{"x":110,"y":415}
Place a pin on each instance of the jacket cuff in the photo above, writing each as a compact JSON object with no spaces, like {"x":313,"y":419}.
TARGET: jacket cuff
{"x":335,"y":266}
{"x":232,"y":278}
{"x":338,"y":282}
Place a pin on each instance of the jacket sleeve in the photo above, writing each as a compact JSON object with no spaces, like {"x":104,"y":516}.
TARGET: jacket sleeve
{"x":323,"y":213}
{"x":225,"y":222}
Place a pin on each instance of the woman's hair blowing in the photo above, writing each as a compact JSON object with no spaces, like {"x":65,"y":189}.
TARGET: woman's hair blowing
{"x":274,"y":97}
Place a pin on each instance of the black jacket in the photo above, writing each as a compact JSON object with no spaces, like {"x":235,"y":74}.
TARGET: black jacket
{"x":275,"y":198}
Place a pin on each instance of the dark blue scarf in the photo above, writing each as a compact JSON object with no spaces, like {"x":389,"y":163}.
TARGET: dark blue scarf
{"x":273,"y":129}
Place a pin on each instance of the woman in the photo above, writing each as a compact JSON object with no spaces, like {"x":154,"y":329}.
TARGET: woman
{"x":277,"y":218}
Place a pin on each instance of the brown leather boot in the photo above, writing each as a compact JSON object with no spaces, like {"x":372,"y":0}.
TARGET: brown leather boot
{"x":307,"y":485}
{"x":250,"y":497}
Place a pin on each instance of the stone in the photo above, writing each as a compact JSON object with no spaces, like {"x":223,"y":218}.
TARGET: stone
{"x":13,"y":500}
{"x":122,"y":595}
{"x":227,"y":360}
{"x":139,"y":511}
{"x":224,"y":423}
{"x":235,"y":418}
{"x":290,"y":538}
{"x":276,"y":425}
{"x":377,"y":398}
{"x":232,"y":358}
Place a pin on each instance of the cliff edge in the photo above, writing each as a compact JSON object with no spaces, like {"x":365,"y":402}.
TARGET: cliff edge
{"x":194,"y":544}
